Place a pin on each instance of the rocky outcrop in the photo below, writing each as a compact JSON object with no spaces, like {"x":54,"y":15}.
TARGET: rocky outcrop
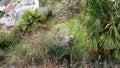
{"x":4,"y":2}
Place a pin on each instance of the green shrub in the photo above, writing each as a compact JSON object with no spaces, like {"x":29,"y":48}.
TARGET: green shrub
{"x":59,"y":52}
{"x":30,"y":19}
{"x":30,"y":22}
{"x":6,"y":41}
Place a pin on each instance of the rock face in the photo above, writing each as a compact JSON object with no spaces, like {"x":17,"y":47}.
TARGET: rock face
{"x":14,"y":11}
{"x":4,"y":2}
{"x":66,"y":9}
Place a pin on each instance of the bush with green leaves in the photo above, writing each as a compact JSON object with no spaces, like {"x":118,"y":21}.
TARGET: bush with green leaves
{"x":6,"y":41}
{"x":30,"y":19}
{"x":102,"y":21}
{"x":59,"y":53}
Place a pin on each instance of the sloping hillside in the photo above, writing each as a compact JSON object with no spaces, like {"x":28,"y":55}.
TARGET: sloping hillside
{"x":60,"y":34}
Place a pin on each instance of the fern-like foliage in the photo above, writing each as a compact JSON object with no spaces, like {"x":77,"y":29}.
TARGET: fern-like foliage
{"x":31,"y":18}
{"x":102,"y":21}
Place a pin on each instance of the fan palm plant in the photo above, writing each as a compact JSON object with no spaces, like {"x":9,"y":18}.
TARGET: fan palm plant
{"x":102,"y":21}
{"x":31,"y":18}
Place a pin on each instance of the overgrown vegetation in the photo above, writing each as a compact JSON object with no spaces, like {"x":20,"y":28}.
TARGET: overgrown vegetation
{"x":41,"y":47}
{"x":91,"y":39}
{"x":102,"y":23}
{"x":6,"y":41}
{"x":30,"y":22}
{"x":30,"y":19}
